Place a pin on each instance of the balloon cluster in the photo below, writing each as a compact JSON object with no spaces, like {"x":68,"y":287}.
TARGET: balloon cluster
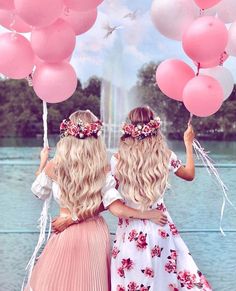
{"x":54,"y":26}
{"x":200,"y":25}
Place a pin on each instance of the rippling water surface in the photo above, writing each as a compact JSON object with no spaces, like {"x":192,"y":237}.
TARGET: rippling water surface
{"x":193,"y":206}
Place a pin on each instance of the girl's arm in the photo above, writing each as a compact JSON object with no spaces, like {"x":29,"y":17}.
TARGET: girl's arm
{"x":44,"y":154}
{"x":60,"y":223}
{"x":187,"y":172}
{"x":117,"y":208}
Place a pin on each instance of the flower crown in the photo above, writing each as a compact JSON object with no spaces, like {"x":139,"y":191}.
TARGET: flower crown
{"x":141,"y":131}
{"x":80,"y":130}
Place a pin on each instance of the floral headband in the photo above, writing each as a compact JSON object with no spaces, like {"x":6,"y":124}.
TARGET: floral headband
{"x":141,"y":131}
{"x":80,"y":130}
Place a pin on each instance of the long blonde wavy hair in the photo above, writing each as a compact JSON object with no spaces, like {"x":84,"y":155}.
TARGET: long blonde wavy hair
{"x":142,"y":169}
{"x":80,"y":166}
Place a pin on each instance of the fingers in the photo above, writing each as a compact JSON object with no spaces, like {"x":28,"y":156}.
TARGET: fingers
{"x":54,"y":219}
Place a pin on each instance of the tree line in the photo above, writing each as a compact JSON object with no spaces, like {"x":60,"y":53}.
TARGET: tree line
{"x":21,"y":109}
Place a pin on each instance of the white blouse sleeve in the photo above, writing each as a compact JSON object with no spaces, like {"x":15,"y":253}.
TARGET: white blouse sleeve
{"x":109,"y":192}
{"x":174,"y":163}
{"x":42,"y":186}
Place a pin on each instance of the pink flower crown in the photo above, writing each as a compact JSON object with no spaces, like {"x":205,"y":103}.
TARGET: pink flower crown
{"x":80,"y":130}
{"x":141,"y":131}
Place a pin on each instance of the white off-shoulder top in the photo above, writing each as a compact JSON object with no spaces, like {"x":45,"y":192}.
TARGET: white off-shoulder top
{"x":44,"y":186}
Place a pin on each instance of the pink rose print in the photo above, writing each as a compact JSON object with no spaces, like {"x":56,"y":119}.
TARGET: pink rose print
{"x":141,"y":241}
{"x":204,"y":281}
{"x":148,"y":272}
{"x":156,"y":251}
{"x":187,"y":279}
{"x":161,"y":207}
{"x":126,"y":222}
{"x":127,"y":264}
{"x":120,"y":288}
{"x":132,"y":235}
{"x":175,"y":163}
{"x":173,"y":255}
{"x":120,"y":221}
{"x":143,"y":288}
{"x":173,"y":229}
{"x":172,"y":287}
{"x":163,"y":233}
{"x":170,"y":267}
{"x":121,"y":272}
{"x":133,"y":286}
{"x":115,"y":252}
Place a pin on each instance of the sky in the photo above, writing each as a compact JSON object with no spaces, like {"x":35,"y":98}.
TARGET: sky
{"x":119,"y":57}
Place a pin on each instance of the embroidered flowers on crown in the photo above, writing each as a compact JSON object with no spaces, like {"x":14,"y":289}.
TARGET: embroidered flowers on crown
{"x":80,"y":130}
{"x":141,"y":131}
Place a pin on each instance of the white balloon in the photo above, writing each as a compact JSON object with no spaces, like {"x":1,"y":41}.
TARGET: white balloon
{"x":226,"y":10}
{"x":231,"y":46}
{"x":223,"y":76}
{"x":172,"y":17}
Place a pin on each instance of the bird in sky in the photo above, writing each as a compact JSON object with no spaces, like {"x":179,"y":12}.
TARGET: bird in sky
{"x":111,"y":29}
{"x":132,"y":15}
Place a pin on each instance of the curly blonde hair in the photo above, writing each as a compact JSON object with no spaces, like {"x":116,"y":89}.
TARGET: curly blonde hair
{"x":142,"y":168}
{"x":80,"y":166}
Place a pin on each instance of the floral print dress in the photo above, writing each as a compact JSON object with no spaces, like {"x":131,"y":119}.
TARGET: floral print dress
{"x":148,"y":257}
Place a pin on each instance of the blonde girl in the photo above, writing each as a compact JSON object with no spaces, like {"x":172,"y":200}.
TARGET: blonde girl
{"x":78,"y":259}
{"x":146,"y":256}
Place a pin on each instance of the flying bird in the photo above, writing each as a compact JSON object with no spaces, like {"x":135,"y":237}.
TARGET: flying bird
{"x":110,"y":29}
{"x":132,"y":15}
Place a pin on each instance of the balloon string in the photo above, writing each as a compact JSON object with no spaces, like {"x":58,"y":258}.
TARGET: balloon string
{"x":222,"y":59}
{"x":43,"y":220}
{"x":208,"y":163}
{"x":190,"y":118}
{"x":198,"y":68}
{"x":45,"y":125}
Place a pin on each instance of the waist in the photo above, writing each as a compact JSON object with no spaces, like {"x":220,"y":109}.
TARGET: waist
{"x":64,"y":212}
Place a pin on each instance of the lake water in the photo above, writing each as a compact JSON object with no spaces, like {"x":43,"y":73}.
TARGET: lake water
{"x":195,"y":208}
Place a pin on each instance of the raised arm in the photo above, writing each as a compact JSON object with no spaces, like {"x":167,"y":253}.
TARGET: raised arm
{"x":187,"y":172}
{"x":44,"y":154}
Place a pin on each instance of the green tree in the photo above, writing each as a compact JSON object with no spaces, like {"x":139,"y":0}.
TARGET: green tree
{"x":21,"y":110}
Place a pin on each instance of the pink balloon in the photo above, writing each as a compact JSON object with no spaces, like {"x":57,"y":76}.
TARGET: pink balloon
{"x":205,"y":39}
{"x":17,"y":59}
{"x":7,"y":4}
{"x":38,"y":62}
{"x":39,"y":13}
{"x":80,"y":21}
{"x":12,"y":21}
{"x":55,"y":42}
{"x":203,"y":96}
{"x":54,"y":83}
{"x":82,"y":5}
{"x":216,"y":62}
{"x":172,"y":76}
{"x":204,"y":4}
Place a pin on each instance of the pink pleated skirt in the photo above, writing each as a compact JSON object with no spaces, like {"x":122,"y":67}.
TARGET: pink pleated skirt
{"x":78,"y":259}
